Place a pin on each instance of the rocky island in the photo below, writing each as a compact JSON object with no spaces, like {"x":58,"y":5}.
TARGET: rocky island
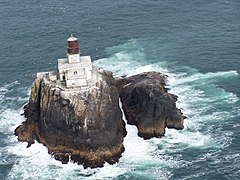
{"x":75,"y":110}
{"x":148,"y":105}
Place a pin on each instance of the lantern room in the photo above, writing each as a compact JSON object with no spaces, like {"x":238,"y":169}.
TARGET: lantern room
{"x":72,"y":45}
{"x":73,"y":49}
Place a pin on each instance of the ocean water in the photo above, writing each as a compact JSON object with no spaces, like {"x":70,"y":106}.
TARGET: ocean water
{"x":196,"y":43}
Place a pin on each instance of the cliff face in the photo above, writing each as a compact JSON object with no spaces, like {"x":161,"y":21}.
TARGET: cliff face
{"x":85,"y":126}
{"x":148,"y":105}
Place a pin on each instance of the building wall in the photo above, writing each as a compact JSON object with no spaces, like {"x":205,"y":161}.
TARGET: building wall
{"x":73,"y":58}
{"x":89,"y":74}
{"x":61,"y":76}
{"x":76,"y":83}
{"x":76,"y":73}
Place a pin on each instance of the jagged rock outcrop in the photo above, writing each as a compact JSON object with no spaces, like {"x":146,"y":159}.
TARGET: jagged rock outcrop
{"x":148,"y":105}
{"x":84,"y":126}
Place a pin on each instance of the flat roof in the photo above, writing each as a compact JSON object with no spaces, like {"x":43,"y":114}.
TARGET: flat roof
{"x":85,"y":61}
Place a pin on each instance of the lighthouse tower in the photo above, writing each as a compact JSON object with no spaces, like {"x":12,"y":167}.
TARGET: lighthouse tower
{"x":75,"y":71}
{"x":73,"y":50}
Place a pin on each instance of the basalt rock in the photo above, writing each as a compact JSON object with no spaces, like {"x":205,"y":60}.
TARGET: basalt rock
{"x":148,"y":105}
{"x":83,"y":126}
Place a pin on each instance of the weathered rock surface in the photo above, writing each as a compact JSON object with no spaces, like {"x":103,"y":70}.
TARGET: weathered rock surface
{"x":84,"y":126}
{"x":148,"y":105}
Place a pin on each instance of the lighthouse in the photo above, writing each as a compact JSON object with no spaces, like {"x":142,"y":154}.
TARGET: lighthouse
{"x":73,"y":50}
{"x":75,"y":70}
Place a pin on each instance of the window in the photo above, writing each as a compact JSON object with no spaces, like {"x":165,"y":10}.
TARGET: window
{"x":75,"y":73}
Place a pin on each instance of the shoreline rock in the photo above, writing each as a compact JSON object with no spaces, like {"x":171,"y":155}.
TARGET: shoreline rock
{"x":148,"y":105}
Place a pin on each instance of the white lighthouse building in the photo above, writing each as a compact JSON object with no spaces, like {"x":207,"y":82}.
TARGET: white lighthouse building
{"x":75,"y":70}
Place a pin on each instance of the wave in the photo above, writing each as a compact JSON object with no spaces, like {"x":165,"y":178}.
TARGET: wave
{"x":207,"y":78}
{"x":6,"y":88}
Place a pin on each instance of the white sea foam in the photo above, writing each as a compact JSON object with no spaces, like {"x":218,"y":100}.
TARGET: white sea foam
{"x":9,"y":85}
{"x":9,"y":119}
{"x":6,"y":88}
{"x":200,"y":78}
{"x":193,"y":98}
{"x":137,"y":150}
{"x":36,"y":163}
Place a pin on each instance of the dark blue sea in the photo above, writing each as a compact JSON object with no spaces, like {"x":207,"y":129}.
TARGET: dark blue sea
{"x":196,"y":43}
